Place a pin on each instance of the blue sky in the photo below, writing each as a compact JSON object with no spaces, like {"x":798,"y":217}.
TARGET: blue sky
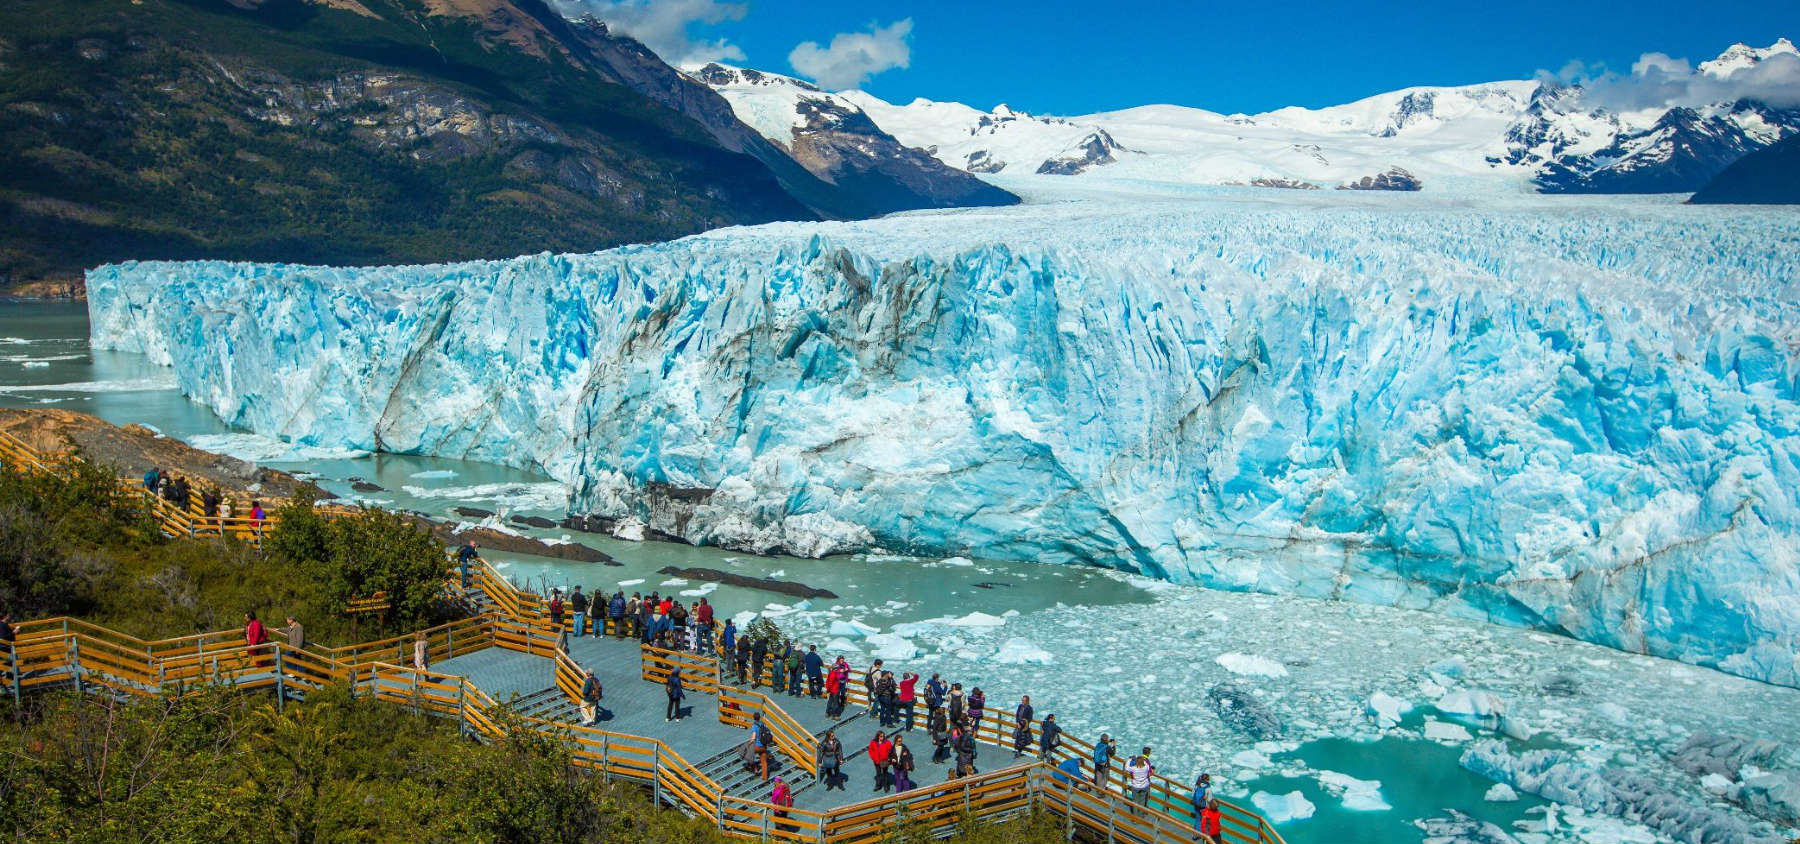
{"x":1064,"y":57}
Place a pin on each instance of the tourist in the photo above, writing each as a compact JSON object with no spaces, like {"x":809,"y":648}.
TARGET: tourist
{"x":779,"y":667}
{"x":887,"y":694}
{"x":977,"y":703}
{"x":578,"y":610}
{"x":830,"y":759}
{"x":935,"y":690}
{"x":1137,"y":775}
{"x":794,"y":662}
{"x":763,"y":740}
{"x":1069,"y":772}
{"x":1202,"y":792}
{"x":646,"y":609}
{"x":632,"y":608}
{"x":1022,"y":726}
{"x":256,"y":518}
{"x":465,"y":557}
{"x":815,"y":668}
{"x":902,"y":764}
{"x":678,"y":627}
{"x":1209,"y":823}
{"x":728,"y":639}
{"x":703,"y":622}
{"x":209,"y":504}
{"x":421,"y":651}
{"x":296,"y":635}
{"x":963,"y":740}
{"x":1103,"y":756}
{"x":152,"y":479}
{"x":256,"y":637}
{"x":1050,"y":737}
{"x":834,"y":694}
{"x":759,"y":652}
{"x":784,"y":799}
{"x":591,"y":693}
{"x":938,"y":724}
{"x":958,"y":705}
{"x":224,"y":514}
{"x":869,"y":678}
{"x":556,"y":609}
{"x":908,"y":697}
{"x":615,"y":612}
{"x":881,"y":750}
{"x":742,"y":658}
{"x":673,"y":687}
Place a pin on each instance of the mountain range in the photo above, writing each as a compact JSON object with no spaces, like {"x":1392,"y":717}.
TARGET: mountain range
{"x":1541,"y":135}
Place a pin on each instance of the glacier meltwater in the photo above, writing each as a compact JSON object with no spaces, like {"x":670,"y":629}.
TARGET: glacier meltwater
{"x":1581,"y":416}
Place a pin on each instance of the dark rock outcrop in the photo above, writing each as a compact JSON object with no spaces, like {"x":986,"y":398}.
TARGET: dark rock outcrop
{"x":1769,"y":176}
{"x":1394,"y":178}
{"x":798,"y":590}
{"x":1093,"y":151}
{"x":1243,"y":712}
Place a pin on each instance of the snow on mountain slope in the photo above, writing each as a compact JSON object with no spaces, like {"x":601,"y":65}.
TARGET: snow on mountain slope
{"x":1518,"y":134}
{"x":1573,"y":415}
{"x":837,"y":142}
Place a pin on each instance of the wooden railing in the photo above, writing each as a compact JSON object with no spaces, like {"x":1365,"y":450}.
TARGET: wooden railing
{"x":739,"y":707}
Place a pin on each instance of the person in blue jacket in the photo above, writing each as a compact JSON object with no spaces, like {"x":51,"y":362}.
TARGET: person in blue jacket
{"x":728,"y":638}
{"x":815,"y":671}
{"x":673,"y":687}
{"x":1103,"y":756}
{"x":615,"y":610}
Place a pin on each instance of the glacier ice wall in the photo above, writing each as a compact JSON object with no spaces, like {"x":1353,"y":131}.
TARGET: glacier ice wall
{"x":1576,"y":417}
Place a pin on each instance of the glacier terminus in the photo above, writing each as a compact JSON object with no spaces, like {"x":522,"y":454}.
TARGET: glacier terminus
{"x":1575,"y":415}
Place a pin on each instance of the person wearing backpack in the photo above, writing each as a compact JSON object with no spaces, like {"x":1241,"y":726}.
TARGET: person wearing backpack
{"x":1050,"y":737}
{"x":1103,"y":756}
{"x":556,"y":609}
{"x":902,"y":764}
{"x":881,"y":751}
{"x":963,"y":741}
{"x":794,"y":661}
{"x":765,"y":745}
{"x":938,"y":724}
{"x":783,"y":798}
{"x":615,"y":610}
{"x":591,"y":692}
{"x":869,"y":678}
{"x":1022,"y":726}
{"x":830,"y":759}
{"x":676,"y":693}
{"x":934,"y":692}
{"x":759,"y":653}
{"x":885,"y":693}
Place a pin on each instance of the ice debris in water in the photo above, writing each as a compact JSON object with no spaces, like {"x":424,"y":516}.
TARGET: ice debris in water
{"x":1486,"y":409}
{"x":1019,"y":651}
{"x":1281,"y":808}
{"x":1358,"y":795}
{"x":1250,"y":665}
{"x":1387,"y":709}
{"x":1501,"y":793}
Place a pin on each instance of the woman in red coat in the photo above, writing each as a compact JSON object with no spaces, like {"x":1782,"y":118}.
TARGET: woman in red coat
{"x":880,"y":751}
{"x":256,"y":637}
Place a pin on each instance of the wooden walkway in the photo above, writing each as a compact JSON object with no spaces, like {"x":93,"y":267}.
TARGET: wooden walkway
{"x":505,"y":668}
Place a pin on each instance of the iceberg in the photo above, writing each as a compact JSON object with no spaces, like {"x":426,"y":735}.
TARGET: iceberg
{"x":1281,"y":808}
{"x":1579,"y":416}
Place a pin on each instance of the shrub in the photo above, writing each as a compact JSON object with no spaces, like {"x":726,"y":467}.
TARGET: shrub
{"x":357,"y":555}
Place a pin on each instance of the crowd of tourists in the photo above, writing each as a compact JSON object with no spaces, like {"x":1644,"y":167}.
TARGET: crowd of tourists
{"x":214,"y":503}
{"x":950,"y":717}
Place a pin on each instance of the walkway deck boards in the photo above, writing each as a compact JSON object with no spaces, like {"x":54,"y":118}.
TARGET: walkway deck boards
{"x":633,"y":705}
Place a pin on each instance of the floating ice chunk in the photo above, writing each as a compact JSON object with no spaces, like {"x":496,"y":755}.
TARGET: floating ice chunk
{"x":1716,"y":784}
{"x":1614,"y":712}
{"x":1019,"y":651}
{"x":1387,"y":709}
{"x":1446,"y":732}
{"x":976,"y":619}
{"x":803,"y":604}
{"x":703,"y":590}
{"x":632,"y":582}
{"x":778,"y":573}
{"x":744,"y":618}
{"x":842,"y":645}
{"x":889,"y":646}
{"x":1250,"y":665}
{"x":1281,"y":808}
{"x":674,"y":581}
{"x":1250,"y":759}
{"x":1453,"y":667}
{"x":1358,"y":795}
{"x":773,"y":609}
{"x":960,"y":562}
{"x":1501,"y":793}
{"x":1472,"y":702}
{"x":853,"y":629}
{"x":1010,"y":614}
{"x":433,"y":474}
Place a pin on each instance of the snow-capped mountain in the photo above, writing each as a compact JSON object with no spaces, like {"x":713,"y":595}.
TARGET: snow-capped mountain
{"x":836,"y":141}
{"x":1542,"y":134}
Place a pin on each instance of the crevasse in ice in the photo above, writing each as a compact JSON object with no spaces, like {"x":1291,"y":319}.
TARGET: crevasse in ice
{"x":1575,"y":416}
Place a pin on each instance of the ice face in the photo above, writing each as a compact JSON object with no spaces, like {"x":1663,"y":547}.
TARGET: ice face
{"x":1575,"y":416}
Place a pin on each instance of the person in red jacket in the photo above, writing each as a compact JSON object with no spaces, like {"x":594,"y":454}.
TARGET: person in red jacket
{"x":783,"y":797}
{"x":906,"y":697}
{"x":880,"y":752}
{"x":256,"y":637}
{"x":1209,"y":822}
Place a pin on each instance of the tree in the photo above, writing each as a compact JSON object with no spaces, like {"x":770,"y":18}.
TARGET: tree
{"x":360,"y":553}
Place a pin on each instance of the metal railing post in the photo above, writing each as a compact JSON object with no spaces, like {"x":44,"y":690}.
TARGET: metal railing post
{"x":12,"y":662}
{"x":655,"y":778}
{"x":75,"y":661}
{"x":280,"y":683}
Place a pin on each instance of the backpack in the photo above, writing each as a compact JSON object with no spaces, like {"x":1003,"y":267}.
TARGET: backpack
{"x":765,"y":738}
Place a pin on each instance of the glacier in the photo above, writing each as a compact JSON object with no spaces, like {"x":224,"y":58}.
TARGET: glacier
{"x":1578,"y":416}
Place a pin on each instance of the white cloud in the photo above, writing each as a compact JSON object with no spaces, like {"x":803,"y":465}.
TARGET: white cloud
{"x":666,"y":26}
{"x":853,"y":57}
{"x":1657,"y":80}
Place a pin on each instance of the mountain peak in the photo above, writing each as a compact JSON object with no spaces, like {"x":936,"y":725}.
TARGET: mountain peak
{"x":1740,"y":56}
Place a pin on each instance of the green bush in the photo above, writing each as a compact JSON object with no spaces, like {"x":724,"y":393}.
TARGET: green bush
{"x":358,"y":555}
